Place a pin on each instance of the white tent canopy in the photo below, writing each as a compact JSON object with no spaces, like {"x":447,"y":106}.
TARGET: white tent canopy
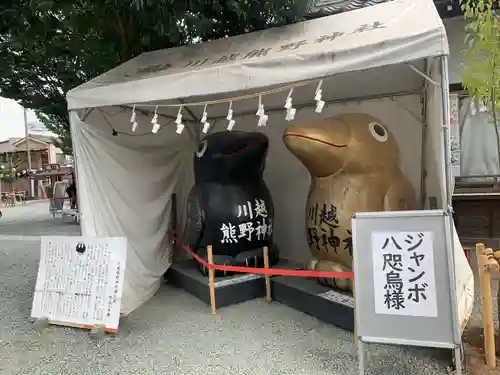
{"x":384,"y":35}
{"x":384,"y":60}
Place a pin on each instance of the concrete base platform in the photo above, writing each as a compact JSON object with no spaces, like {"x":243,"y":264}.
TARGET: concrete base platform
{"x":308,"y":296}
{"x":229,"y":290}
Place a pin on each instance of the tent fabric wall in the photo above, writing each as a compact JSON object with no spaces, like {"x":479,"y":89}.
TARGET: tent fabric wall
{"x":125,"y":185}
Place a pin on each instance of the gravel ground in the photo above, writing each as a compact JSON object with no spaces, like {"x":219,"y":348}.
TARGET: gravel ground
{"x":174,"y":332}
{"x":34,"y":219}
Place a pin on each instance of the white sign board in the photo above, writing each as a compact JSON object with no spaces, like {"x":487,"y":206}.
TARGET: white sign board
{"x":80,"y":281}
{"x":404,"y":279}
{"x":403,"y":273}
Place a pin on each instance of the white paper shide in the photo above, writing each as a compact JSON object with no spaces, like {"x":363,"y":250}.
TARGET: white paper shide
{"x":403,"y":273}
{"x":80,"y":280}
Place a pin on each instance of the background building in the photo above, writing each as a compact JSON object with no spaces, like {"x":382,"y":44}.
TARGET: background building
{"x":43,"y":152}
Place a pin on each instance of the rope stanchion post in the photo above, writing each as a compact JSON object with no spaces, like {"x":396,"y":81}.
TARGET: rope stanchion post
{"x":211,"y":279}
{"x":267,"y":272}
{"x":267,"y":277}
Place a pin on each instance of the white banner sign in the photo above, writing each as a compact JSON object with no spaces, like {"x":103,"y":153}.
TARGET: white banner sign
{"x":80,"y":281}
{"x":455,"y":134}
{"x":403,"y":272}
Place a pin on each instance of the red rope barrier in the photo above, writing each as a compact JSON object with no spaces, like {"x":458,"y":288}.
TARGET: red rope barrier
{"x":265,"y":271}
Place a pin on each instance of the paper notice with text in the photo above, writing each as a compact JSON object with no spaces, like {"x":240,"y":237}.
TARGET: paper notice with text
{"x":80,"y":280}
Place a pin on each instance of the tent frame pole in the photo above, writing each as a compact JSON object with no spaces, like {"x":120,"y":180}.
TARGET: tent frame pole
{"x":424,"y":75}
{"x":336,"y":101}
{"x":447,"y":203}
{"x":75,"y":165}
{"x":423,"y":162}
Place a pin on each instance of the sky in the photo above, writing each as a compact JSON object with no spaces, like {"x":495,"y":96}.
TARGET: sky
{"x":12,"y":120}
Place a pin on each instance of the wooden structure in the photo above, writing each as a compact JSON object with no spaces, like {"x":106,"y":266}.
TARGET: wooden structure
{"x":11,"y":199}
{"x":476,"y":202}
{"x":487,"y":261}
{"x":211,"y":278}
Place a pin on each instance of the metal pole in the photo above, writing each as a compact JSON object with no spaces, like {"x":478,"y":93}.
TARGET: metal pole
{"x":28,"y":151}
{"x":9,"y":163}
{"x":445,"y":111}
{"x":445,"y":134}
{"x":72,"y":126}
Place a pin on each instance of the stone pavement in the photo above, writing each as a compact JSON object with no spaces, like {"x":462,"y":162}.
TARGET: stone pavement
{"x":173,"y":333}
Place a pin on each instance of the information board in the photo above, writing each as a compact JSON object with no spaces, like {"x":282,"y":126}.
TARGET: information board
{"x":80,"y":281}
{"x":404,"y":279}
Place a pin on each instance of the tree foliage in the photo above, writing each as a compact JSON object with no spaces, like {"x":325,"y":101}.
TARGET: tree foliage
{"x":48,"y":47}
{"x":481,"y":68}
{"x":10,"y":172}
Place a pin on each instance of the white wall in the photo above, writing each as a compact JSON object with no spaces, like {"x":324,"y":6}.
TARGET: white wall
{"x":455,"y":29}
{"x":52,"y":154}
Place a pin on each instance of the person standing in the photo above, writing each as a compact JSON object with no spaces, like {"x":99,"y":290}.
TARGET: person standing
{"x":71,"y":191}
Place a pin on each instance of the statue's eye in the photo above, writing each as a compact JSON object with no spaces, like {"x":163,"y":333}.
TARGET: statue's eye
{"x":202,"y":147}
{"x":378,"y":131}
